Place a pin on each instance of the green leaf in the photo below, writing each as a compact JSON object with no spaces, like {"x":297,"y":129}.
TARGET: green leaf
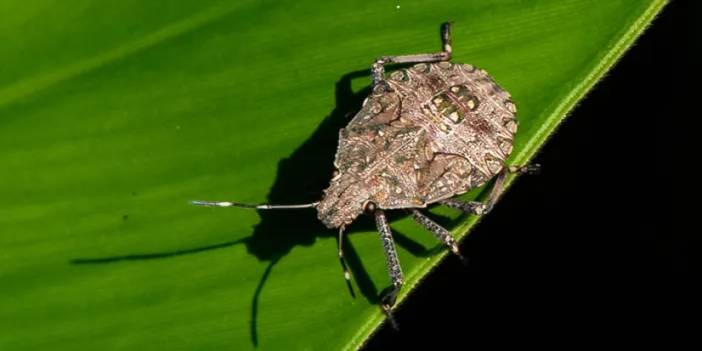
{"x":115,"y":114}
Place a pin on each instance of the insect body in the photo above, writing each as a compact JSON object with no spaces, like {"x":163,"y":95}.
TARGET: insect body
{"x":426,"y":134}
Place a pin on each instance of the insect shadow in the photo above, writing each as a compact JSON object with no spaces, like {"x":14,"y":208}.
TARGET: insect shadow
{"x":301,"y":177}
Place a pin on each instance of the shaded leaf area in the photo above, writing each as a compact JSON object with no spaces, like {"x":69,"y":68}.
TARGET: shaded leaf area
{"x":114,"y":115}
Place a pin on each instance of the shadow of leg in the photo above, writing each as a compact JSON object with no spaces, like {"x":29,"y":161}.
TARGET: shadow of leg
{"x":254,"y":302}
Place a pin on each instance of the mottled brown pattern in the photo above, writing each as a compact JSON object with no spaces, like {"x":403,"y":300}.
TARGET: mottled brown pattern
{"x":425,"y":134}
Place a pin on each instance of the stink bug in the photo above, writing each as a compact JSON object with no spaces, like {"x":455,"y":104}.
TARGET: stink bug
{"x":425,"y":134}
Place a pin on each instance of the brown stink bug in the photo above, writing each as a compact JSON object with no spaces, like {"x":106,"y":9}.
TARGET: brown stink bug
{"x":426,"y":134}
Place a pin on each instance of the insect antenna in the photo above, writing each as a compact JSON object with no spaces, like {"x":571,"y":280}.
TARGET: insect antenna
{"x":257,"y":207}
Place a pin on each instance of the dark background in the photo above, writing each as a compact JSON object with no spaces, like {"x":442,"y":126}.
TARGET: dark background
{"x":585,"y":251}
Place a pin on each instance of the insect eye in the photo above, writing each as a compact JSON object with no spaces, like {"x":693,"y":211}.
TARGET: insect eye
{"x":369,"y":206}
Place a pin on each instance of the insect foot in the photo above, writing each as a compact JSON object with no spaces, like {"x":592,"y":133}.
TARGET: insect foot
{"x":532,"y":168}
{"x":387,"y":300}
{"x":388,"y":297}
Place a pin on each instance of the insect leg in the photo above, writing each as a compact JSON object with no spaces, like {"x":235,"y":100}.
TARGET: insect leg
{"x":257,"y":207}
{"x":378,"y":68}
{"x":473,"y":207}
{"x":498,"y":188}
{"x":389,"y":295}
{"x":478,"y":208}
{"x":440,"y":232}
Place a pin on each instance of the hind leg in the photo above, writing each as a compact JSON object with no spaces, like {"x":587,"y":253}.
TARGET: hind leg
{"x":479,"y":208}
{"x":378,"y":68}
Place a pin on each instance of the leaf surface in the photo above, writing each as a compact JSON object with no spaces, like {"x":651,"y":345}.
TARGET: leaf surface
{"x":115,"y":114}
